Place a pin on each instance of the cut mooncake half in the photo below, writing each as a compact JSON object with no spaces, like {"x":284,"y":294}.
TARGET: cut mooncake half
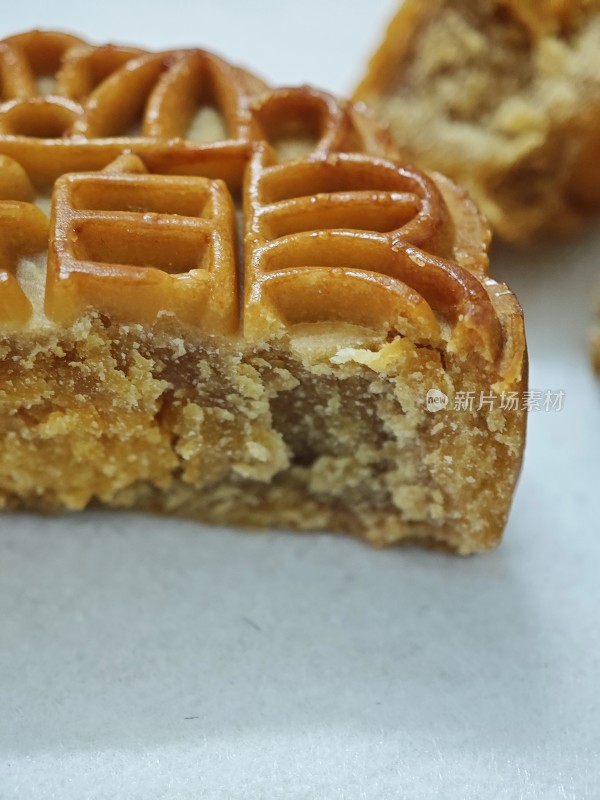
{"x":237,"y":304}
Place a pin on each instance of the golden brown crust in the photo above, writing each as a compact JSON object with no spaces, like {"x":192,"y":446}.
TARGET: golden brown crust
{"x":363,"y":283}
{"x":504,"y":97}
{"x":415,"y":237}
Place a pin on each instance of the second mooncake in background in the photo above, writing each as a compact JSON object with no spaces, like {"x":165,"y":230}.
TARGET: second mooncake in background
{"x":504,"y":97}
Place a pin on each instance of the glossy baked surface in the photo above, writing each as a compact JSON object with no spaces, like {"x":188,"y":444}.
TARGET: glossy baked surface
{"x":177,"y":137}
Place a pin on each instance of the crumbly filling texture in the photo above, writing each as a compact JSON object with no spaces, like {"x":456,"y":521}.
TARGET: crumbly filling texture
{"x":325,"y":428}
{"x":508,"y":110}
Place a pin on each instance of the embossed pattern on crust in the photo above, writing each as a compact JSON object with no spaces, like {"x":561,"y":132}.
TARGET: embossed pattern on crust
{"x":336,"y":229}
{"x":363,"y":241}
{"x":167,"y":240}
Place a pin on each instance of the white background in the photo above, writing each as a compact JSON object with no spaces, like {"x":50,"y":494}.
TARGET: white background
{"x":150,"y":658}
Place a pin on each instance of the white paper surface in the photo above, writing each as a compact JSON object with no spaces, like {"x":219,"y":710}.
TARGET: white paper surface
{"x":152,"y":658}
